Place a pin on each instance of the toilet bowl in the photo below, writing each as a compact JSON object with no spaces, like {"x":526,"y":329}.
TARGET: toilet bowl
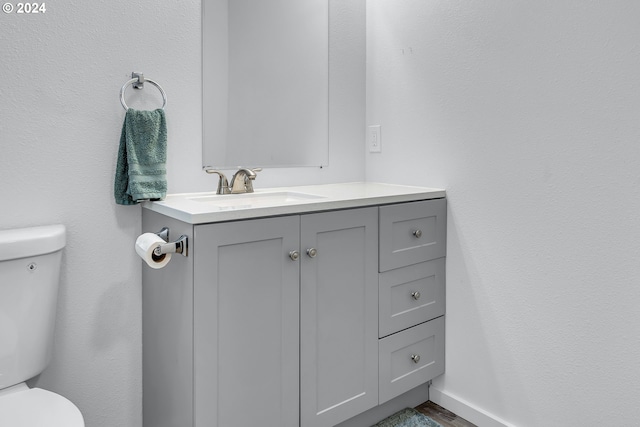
{"x":30,"y":261}
{"x":21,"y":406}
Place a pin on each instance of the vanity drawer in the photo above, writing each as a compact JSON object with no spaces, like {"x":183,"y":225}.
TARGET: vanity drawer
{"x":411,"y":295}
{"x":410,"y":358}
{"x":412,"y":232}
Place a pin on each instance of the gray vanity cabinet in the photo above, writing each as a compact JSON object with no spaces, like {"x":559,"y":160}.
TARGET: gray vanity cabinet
{"x":301,"y":320}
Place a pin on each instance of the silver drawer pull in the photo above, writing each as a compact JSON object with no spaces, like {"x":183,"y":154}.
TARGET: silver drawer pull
{"x":416,"y":295}
{"x":294,"y":255}
{"x":415,"y":358}
{"x":312,"y":252}
{"x":417,"y":233}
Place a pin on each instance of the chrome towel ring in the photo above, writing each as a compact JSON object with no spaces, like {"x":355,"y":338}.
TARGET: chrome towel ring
{"x":138,"y":83}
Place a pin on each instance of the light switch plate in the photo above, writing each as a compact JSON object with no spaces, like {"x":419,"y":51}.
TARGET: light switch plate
{"x":374,"y":139}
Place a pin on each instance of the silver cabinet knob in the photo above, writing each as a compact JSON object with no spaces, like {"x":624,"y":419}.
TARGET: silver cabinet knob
{"x":415,"y":295}
{"x":312,"y":252}
{"x":415,"y":358}
{"x":294,"y":255}
{"x":417,"y":233}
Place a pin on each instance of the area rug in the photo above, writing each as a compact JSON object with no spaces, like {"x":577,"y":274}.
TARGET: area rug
{"x":408,"y":418}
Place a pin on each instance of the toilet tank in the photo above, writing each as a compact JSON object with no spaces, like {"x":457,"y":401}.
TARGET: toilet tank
{"x":29,"y":276}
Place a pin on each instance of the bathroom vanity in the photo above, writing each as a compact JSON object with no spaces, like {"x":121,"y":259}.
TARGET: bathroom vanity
{"x":301,"y":306}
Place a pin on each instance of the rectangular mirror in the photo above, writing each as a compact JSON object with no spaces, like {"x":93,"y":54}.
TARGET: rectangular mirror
{"x":265,"y":83}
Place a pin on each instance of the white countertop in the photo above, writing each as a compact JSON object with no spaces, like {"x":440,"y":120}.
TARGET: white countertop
{"x":200,"y":208}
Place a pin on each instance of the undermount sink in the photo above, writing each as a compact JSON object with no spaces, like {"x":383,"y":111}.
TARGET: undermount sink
{"x":253,"y":200}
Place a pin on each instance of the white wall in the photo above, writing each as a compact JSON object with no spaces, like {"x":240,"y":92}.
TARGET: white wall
{"x":60,"y":122}
{"x":528,"y":113}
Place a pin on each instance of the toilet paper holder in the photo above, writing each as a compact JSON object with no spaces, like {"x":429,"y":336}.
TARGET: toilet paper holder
{"x":180,"y":246}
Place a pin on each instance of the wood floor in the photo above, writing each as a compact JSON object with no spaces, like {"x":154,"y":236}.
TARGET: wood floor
{"x":443,"y":416}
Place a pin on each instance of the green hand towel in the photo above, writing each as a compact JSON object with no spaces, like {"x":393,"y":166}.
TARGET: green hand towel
{"x":141,"y":172}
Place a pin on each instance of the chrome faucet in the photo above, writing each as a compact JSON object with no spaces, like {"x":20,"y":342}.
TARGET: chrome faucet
{"x":241,"y":182}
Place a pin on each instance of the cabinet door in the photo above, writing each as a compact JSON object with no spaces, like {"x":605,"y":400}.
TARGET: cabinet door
{"x":246,"y":314}
{"x":339,"y":312}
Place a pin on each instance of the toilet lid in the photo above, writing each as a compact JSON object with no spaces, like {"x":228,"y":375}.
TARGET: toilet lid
{"x":36,"y":407}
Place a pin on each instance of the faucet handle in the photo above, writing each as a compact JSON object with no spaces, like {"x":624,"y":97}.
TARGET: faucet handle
{"x":250,"y":172}
{"x":250,"y":177}
{"x":223,"y":184}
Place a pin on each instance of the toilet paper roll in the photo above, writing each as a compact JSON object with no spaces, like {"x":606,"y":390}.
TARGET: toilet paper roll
{"x":145,"y":245}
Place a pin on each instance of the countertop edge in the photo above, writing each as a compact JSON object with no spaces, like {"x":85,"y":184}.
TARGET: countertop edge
{"x":403,"y":194}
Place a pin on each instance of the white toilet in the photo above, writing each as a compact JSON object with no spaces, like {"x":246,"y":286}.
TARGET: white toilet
{"x":29,"y":276}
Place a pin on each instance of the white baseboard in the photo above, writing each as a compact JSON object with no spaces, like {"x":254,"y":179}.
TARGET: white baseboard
{"x":466,"y":410}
